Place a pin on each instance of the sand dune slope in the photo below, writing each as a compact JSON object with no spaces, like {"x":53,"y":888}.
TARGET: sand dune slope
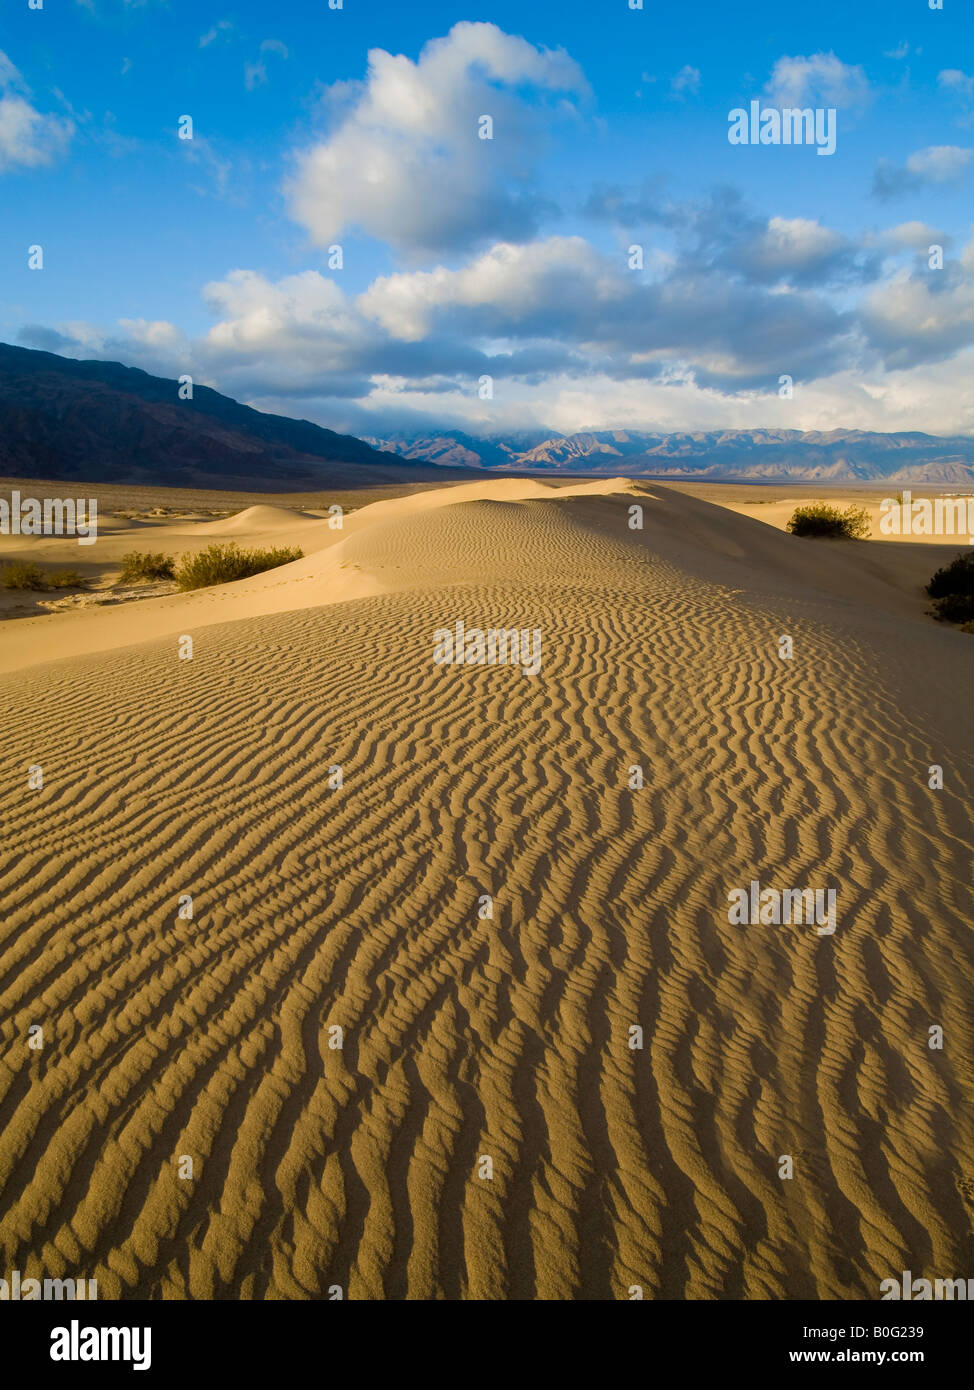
{"x":504,"y":1037}
{"x":335,"y":568}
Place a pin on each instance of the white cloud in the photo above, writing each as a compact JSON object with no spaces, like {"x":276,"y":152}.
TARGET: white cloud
{"x":820,"y":80}
{"x":28,"y":138}
{"x":512,"y":283}
{"x":953,"y":80}
{"x":156,"y":333}
{"x":939,"y":163}
{"x":795,"y":244}
{"x":936,"y":164}
{"x":301,"y":346}
{"x":290,"y":334}
{"x":917,"y":236}
{"x":915,"y":319}
{"x":406,"y":164}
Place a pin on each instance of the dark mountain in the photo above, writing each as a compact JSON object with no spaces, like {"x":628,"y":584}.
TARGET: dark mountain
{"x":840,"y":456}
{"x":102,"y":422}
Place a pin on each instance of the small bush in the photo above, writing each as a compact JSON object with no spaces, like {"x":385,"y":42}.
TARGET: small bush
{"x":221,"y":564}
{"x":65,"y":579}
{"x":819,"y":519}
{"x":953,"y":589}
{"x":25,"y":574}
{"x":21,"y":574}
{"x":955,"y":608}
{"x":955,"y":578}
{"x":139,"y":566}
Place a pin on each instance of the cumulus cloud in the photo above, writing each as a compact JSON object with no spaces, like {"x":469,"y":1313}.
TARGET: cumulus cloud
{"x":606,"y":347}
{"x":917,"y":236}
{"x":722,"y":232}
{"x":819,"y":80}
{"x":28,"y":138}
{"x":405,"y":162}
{"x":924,"y":317}
{"x":953,"y":80}
{"x":800,"y":251}
{"x":562,"y":289}
{"x":937,"y":164}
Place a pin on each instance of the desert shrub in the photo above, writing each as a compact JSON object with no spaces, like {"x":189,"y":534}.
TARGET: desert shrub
{"x":64,"y":579}
{"x":819,"y":519}
{"x":25,"y":574}
{"x":221,"y":564}
{"x":21,"y":574}
{"x":139,"y":566}
{"x":955,"y":608}
{"x":955,"y":578}
{"x":953,"y":589}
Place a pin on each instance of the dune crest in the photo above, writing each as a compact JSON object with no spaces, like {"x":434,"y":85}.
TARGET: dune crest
{"x":316,"y":579}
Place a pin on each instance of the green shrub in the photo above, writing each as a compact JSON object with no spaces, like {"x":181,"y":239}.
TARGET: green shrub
{"x":25,"y":574}
{"x":955,"y":608}
{"x":953,"y":589}
{"x":955,"y":578}
{"x":819,"y":519}
{"x":221,"y":564}
{"x":139,"y":566}
{"x":21,"y":574}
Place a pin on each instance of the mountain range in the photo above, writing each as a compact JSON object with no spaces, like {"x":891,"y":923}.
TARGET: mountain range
{"x":840,"y":456}
{"x":104,"y":422}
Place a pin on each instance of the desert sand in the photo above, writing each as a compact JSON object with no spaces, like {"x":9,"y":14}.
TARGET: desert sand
{"x":508,"y":1037}
{"x":778,"y":512}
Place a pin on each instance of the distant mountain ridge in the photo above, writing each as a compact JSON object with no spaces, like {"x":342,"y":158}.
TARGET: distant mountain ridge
{"x":841,"y":456}
{"x":104,"y":422}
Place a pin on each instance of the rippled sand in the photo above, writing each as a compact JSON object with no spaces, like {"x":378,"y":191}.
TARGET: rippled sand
{"x":468,"y":1037}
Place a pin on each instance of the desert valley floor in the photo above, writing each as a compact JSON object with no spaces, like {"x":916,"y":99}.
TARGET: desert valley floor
{"x":507,"y":1037}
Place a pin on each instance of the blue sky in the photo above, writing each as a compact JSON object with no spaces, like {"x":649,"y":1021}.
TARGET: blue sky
{"x":508,"y":258}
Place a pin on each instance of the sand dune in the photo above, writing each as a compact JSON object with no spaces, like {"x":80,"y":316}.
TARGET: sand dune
{"x":347,"y":572}
{"x":505,"y":1037}
{"x":257,"y":519}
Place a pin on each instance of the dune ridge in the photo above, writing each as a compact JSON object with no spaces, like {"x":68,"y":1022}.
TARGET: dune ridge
{"x":507,"y":1037}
